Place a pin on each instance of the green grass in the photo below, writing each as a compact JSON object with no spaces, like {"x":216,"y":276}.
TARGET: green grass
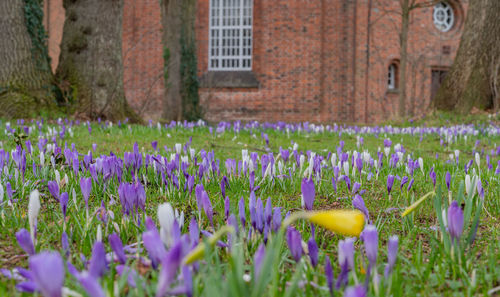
{"x":424,"y":266}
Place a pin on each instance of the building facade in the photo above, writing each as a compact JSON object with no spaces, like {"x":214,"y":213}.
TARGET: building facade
{"x":294,"y":60}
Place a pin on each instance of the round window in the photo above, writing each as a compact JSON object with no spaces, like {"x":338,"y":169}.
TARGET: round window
{"x":443,"y":16}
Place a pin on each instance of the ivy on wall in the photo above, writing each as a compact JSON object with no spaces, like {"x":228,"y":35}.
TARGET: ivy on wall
{"x":33,"y":16}
{"x":191,"y":109}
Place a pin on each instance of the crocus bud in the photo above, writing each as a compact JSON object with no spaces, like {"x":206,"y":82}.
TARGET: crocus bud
{"x":294,"y":241}
{"x":448,"y":179}
{"x":313,"y":251}
{"x":308,"y":193}
{"x":24,"y":241}
{"x":47,"y":270}
{"x":33,"y":210}
{"x":390,"y":182}
{"x":455,"y":221}
{"x":392,"y":253}
{"x":370,"y":239}
{"x":258,"y":260}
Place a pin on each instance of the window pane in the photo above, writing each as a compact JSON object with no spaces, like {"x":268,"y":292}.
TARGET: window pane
{"x":230,"y":37}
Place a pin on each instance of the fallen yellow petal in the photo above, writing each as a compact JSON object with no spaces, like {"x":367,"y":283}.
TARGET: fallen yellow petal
{"x":345,"y":222}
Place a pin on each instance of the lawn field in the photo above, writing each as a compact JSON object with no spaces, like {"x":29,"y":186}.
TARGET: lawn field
{"x":249,"y":209}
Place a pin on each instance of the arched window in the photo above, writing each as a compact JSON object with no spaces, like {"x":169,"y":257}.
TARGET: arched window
{"x":230,"y":38}
{"x":392,"y":76}
{"x":443,"y":16}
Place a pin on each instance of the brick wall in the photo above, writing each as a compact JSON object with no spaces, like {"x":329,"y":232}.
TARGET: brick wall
{"x":318,"y":61}
{"x":143,"y":57}
{"x":54,"y":22}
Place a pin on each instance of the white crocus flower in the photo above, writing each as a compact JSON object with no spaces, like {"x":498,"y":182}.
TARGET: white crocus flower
{"x":58,"y":176}
{"x":1,"y":193}
{"x":178,"y":148}
{"x":478,"y":160}
{"x":302,"y":160}
{"x":33,"y":210}
{"x":421,"y":164}
{"x":42,"y":159}
{"x":334,"y":159}
{"x":166,"y":217}
{"x":98,"y":236}
{"x":346,"y":168}
{"x":192,"y":153}
{"x":387,"y":150}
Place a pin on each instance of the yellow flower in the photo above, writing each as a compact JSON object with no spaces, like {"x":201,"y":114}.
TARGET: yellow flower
{"x":199,"y":251}
{"x":345,"y":222}
{"x":416,"y":204}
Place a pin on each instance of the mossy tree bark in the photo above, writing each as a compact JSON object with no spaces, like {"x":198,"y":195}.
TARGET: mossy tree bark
{"x":25,"y":78}
{"x":91,"y":58}
{"x":178,"y":17}
{"x":474,"y":78}
{"x":171,"y":11}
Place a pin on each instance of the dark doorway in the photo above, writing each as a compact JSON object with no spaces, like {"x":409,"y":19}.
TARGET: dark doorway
{"x":438,"y":75}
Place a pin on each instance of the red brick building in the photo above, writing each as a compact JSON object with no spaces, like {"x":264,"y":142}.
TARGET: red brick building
{"x":292,"y":60}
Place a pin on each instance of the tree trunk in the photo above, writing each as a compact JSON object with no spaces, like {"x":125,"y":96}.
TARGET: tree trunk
{"x":91,"y":58}
{"x":403,"y":52}
{"x":25,"y":77}
{"x":474,"y":79}
{"x":171,"y":11}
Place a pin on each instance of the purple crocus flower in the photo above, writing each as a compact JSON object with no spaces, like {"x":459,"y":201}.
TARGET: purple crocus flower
{"x":98,"y":265}
{"x":357,"y":291}
{"x":154,"y":246}
{"x":432,"y":175}
{"x":410,"y":184}
{"x":24,"y":240}
{"x":355,"y":187}
{"x":294,"y":241}
{"x":359,"y":204}
{"x":268,"y":211}
{"x":47,"y":271}
{"x":448,"y":179}
{"x":241,"y":209}
{"x":53,"y":189}
{"x":154,"y":144}
{"x":276,"y":219}
{"x":91,"y":285}
{"x":404,"y":180}
{"x":329,"y":273}
{"x":226,"y":207}
{"x":64,"y":203}
{"x":346,"y":261}
{"x":65,"y":244}
{"x":480,"y":189}
{"x":170,"y":264}
{"x":130,"y":272}
{"x":370,"y":239}
{"x":392,"y":253}
{"x":347,"y":181}
{"x":259,"y":216}
{"x":334,"y":184}
{"x":258,"y":260}
{"x":86,"y":187}
{"x":308,"y":193}
{"x":390,"y":182}
{"x":313,"y":251}
{"x":455,"y":221}
{"x":207,"y":207}
{"x":190,"y":183}
{"x":117,"y":247}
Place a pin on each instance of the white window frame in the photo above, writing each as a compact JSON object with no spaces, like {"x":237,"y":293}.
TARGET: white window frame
{"x":230,"y":35}
{"x":443,"y":16}
{"x":391,"y":79}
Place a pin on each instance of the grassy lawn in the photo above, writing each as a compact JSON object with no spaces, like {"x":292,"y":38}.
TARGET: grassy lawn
{"x":427,"y":264}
